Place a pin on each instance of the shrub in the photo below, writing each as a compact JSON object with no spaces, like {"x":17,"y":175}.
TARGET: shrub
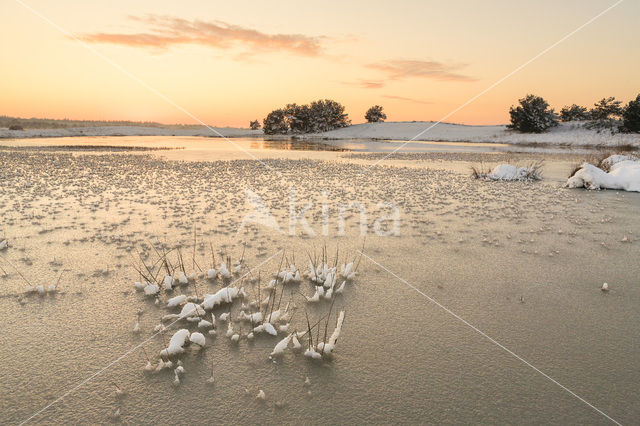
{"x":254,"y":125}
{"x":375,"y":114}
{"x":533,"y":115}
{"x":631,"y":116}
{"x":275,"y":123}
{"x":574,"y":113}
{"x":16,"y":127}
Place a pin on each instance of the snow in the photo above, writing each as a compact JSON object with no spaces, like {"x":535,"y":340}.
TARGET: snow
{"x":281,"y":346}
{"x":509,"y":172}
{"x":347,"y":271}
{"x":269,"y":328}
{"x":182,"y":278}
{"x":191,"y":310}
{"x":572,"y":133}
{"x":176,"y":301}
{"x":254,"y":318}
{"x":224,"y":271}
{"x":224,"y":295}
{"x":204,"y":324}
{"x":624,"y":174}
{"x":197,"y":338}
{"x":151,"y":289}
{"x":168,"y":282}
{"x":311,"y":353}
{"x":176,"y":343}
{"x":128,"y":131}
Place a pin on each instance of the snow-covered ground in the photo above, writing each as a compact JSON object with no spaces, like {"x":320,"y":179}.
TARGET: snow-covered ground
{"x":230,"y":132}
{"x":564,"y":134}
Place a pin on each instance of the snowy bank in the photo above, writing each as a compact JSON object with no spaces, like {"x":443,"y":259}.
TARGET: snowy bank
{"x":564,"y":134}
{"x":230,"y":132}
{"x":624,"y":174}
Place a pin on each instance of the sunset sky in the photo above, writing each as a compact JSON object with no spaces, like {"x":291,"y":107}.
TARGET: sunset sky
{"x":234,"y":61}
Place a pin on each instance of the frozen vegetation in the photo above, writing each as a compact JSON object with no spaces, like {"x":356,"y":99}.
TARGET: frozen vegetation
{"x":614,"y":172}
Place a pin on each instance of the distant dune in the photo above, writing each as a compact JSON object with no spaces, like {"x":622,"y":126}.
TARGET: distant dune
{"x":565,"y":134}
{"x":229,"y":132}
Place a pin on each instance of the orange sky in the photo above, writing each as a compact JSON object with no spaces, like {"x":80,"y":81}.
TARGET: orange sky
{"x":230,"y":62}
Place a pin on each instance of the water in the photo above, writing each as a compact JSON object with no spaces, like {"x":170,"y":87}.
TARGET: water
{"x":522,"y":262}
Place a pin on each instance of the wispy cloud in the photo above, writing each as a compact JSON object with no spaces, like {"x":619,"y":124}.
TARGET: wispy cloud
{"x":365,"y":84}
{"x":402,"y":98}
{"x":163,"y":32}
{"x":402,"y":69}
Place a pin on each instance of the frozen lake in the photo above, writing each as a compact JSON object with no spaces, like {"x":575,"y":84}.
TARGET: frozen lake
{"x":521,"y":263}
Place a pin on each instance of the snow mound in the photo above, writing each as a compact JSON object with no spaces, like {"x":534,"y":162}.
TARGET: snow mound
{"x":511,"y":173}
{"x":624,"y":174}
{"x":176,"y":343}
{"x":224,"y":295}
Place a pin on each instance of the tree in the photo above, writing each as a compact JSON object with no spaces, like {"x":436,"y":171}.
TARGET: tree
{"x":533,"y":115}
{"x":254,"y":125}
{"x":631,"y":116}
{"x":606,"y":114}
{"x":319,"y":116}
{"x":375,"y":114}
{"x":276,"y":123}
{"x":574,"y":113}
{"x":327,"y":115}
{"x":299,"y":118}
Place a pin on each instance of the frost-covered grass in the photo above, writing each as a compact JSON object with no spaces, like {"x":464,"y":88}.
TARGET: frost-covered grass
{"x":530,"y":172}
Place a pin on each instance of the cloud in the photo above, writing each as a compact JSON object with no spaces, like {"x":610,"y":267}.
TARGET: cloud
{"x":402,"y":69}
{"x":163,"y":32}
{"x":365,"y":84}
{"x":402,"y":98}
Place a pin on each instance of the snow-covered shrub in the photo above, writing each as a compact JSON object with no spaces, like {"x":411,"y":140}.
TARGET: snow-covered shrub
{"x":574,"y":113}
{"x":533,"y":115}
{"x":254,"y":125}
{"x":509,"y":172}
{"x":631,"y":116}
{"x":375,"y":114}
{"x":615,"y":172}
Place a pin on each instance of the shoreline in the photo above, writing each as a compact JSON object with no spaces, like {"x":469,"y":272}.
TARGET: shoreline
{"x":566,"y":134}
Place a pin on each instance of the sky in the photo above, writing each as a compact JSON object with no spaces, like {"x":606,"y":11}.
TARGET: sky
{"x":226,"y":63}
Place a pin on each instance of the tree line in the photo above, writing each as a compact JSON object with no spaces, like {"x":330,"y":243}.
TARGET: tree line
{"x":318,"y":116}
{"x":534,"y":115}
